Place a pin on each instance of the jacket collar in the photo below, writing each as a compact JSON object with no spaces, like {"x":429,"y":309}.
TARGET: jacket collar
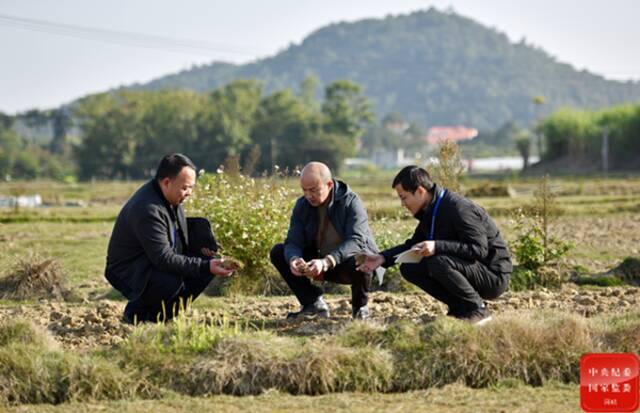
{"x":172,"y":210}
{"x":437,"y":190}
{"x":333,"y":195}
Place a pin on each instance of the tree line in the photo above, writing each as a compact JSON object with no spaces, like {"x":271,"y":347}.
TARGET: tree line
{"x":122,"y":135}
{"x":577,"y":136}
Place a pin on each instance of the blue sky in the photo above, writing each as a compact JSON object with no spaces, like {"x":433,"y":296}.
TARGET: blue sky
{"x":44,"y":69}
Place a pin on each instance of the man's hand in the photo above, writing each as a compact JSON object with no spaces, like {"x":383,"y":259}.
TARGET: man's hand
{"x":370,"y":263}
{"x":296,"y":266}
{"x":216,"y":268}
{"x":315,"y":267}
{"x":426,"y":248}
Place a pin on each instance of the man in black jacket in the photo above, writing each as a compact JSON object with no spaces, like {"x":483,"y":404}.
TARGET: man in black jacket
{"x":329,"y":226}
{"x":460,"y":257}
{"x":150,"y":258}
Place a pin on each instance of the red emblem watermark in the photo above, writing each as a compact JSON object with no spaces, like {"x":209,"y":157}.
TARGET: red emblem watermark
{"x":609,"y":382}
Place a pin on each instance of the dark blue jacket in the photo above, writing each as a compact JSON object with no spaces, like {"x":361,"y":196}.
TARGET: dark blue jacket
{"x":348,"y":217}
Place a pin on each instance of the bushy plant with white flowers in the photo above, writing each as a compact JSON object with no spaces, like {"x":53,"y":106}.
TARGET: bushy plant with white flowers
{"x":248,"y":217}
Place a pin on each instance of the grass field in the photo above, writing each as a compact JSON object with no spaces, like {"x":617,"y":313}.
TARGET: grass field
{"x":601,"y":218}
{"x":77,"y":236}
{"x":453,"y":398}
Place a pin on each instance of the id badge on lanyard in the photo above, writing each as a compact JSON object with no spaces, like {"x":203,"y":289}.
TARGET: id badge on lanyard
{"x":433,"y":216}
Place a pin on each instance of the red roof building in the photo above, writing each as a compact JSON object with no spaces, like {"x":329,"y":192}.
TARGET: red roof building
{"x":438,"y":134}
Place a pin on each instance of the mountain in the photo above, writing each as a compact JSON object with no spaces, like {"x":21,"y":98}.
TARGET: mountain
{"x":436,"y":68}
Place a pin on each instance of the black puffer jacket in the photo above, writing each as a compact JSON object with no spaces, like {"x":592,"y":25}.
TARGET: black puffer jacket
{"x":462,"y":229}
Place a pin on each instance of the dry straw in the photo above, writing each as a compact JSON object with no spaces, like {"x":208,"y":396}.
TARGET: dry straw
{"x":34,"y":277}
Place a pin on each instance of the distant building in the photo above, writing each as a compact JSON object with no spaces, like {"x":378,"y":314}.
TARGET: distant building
{"x":386,"y":158}
{"x":437,"y":134}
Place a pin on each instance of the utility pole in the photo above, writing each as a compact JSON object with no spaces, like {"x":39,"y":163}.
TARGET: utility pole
{"x":605,"y":149}
{"x":272,"y":153}
{"x":538,"y":101}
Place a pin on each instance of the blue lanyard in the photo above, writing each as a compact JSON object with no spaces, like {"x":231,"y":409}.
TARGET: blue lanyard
{"x":435,"y":212}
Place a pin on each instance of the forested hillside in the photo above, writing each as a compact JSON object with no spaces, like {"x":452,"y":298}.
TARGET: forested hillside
{"x":433,"y":67}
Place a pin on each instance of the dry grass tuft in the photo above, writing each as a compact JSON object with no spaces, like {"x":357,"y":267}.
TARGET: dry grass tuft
{"x":24,"y":332}
{"x":251,"y":365}
{"x":34,"y":277}
{"x":33,"y":370}
{"x":619,"y":334}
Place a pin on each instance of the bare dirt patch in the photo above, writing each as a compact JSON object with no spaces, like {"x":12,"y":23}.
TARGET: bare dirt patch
{"x":98,"y":323}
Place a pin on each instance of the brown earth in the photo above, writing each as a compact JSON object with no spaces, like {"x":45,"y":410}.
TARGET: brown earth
{"x":97,"y":323}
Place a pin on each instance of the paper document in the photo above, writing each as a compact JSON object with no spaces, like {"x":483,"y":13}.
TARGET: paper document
{"x":410,"y":256}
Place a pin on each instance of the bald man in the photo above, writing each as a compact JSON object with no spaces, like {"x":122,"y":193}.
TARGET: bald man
{"x":329,"y":226}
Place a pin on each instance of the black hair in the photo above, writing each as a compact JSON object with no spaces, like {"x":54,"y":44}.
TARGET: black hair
{"x":171,"y":165}
{"x":411,"y":177}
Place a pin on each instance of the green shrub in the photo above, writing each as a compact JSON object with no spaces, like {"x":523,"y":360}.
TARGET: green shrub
{"x":532,"y":248}
{"x":535,"y":247}
{"x":248,"y":216}
{"x":629,"y":270}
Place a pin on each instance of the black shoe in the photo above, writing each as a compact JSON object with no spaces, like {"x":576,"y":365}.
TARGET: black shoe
{"x":455,"y":312}
{"x":361,"y":313}
{"x":478,"y":316}
{"x":318,"y":309}
{"x":135,"y":318}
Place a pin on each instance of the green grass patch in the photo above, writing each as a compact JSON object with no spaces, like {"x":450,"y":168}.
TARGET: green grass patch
{"x":600,"y":281}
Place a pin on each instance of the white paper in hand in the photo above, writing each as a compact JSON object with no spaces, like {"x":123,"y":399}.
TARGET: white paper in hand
{"x":410,"y":256}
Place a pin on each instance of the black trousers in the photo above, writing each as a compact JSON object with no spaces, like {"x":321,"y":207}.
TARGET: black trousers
{"x":162,"y":297}
{"x":460,"y":284}
{"x":307,"y":292}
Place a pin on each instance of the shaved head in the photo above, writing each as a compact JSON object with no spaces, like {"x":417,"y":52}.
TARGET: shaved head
{"x":317,"y":170}
{"x":316,"y":183}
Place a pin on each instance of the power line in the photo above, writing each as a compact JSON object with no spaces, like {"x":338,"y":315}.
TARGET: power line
{"x":124,"y":37}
